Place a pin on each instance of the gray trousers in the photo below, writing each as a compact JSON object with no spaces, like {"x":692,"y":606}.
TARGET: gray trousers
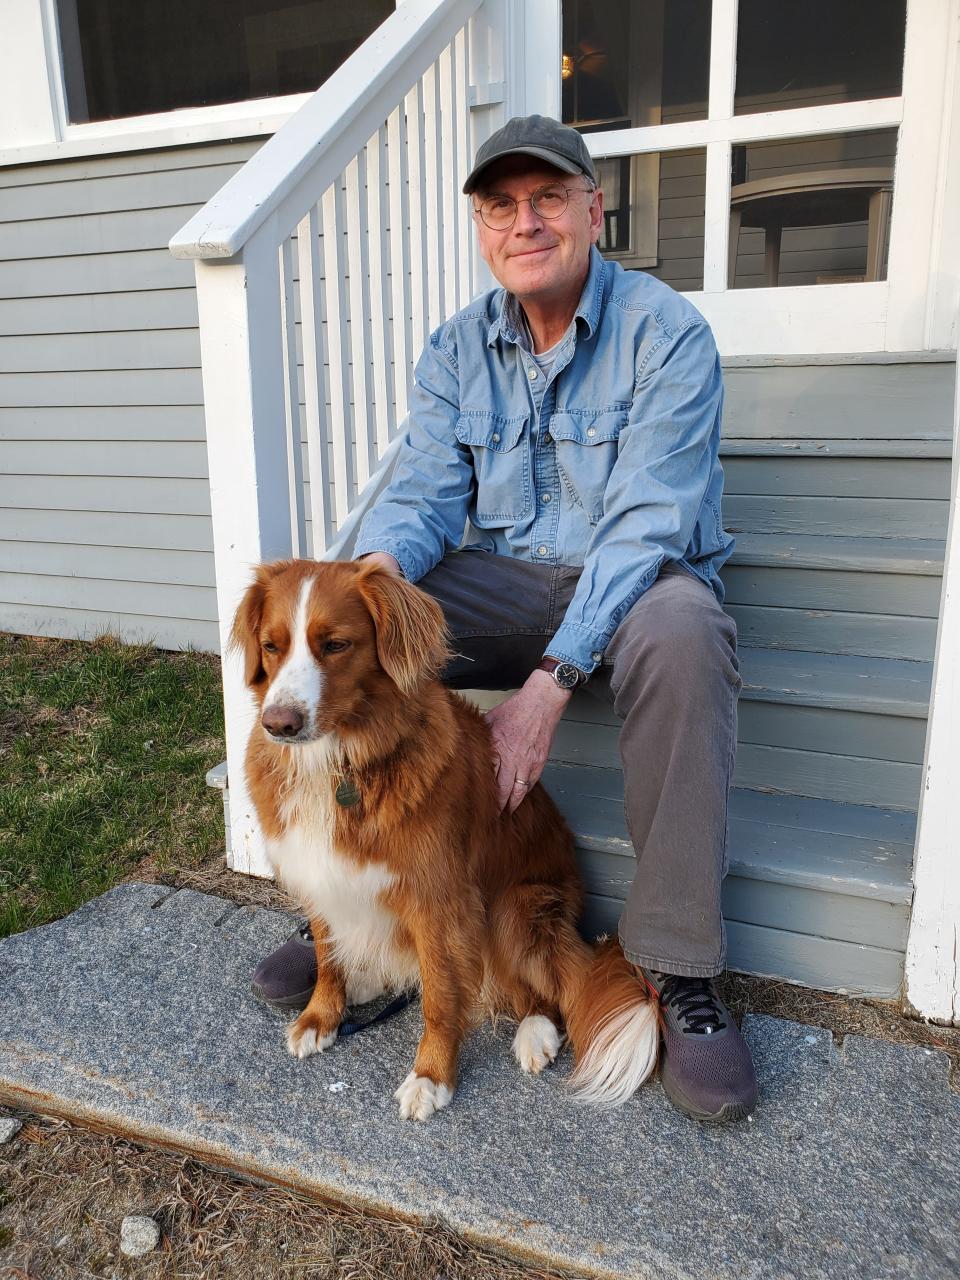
{"x":672,"y":675}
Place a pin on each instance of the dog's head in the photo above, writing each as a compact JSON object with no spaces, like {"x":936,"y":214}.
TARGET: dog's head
{"x":322,"y":640}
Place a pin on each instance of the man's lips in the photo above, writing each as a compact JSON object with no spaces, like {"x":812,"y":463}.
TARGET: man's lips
{"x":530,"y":253}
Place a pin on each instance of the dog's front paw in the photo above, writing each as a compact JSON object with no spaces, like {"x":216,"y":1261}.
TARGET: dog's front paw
{"x":536,"y":1043}
{"x":304,"y":1037}
{"x":420,"y":1097}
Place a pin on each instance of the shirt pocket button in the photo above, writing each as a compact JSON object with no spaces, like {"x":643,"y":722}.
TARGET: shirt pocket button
{"x":591,"y":431}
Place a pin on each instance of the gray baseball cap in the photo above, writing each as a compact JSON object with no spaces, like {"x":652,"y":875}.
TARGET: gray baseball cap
{"x":538,"y":136}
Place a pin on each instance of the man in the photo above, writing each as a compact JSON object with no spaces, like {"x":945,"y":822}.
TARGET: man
{"x":571,"y":420}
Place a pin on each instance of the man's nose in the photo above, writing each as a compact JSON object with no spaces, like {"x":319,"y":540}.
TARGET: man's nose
{"x":528,"y":219}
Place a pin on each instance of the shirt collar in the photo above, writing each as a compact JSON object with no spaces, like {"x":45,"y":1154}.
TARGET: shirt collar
{"x":508,"y":322}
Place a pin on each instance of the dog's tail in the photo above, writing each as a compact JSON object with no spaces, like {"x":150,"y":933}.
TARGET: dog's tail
{"x":613,"y":1025}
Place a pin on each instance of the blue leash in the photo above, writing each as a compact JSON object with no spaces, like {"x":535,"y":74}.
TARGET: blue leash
{"x":350,"y":1028}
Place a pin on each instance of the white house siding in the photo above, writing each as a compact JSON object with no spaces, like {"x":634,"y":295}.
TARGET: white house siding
{"x":104,"y":506}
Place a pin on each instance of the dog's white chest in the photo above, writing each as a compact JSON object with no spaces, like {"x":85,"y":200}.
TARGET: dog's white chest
{"x":346,"y":896}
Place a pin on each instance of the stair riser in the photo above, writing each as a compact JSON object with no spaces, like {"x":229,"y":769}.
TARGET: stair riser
{"x":792,"y":957}
{"x":892,"y":594}
{"x":839,"y":916}
{"x":804,"y":476}
{"x":821,"y":631}
{"x":853,"y":779}
{"x":849,"y":517}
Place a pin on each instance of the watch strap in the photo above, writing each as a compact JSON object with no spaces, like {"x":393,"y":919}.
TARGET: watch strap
{"x":550,"y":665}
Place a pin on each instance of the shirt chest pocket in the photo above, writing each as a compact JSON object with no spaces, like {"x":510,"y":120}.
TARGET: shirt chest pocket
{"x":587,"y":447}
{"x":500,"y":448}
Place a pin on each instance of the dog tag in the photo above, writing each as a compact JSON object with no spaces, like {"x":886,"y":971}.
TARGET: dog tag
{"x":347,"y":794}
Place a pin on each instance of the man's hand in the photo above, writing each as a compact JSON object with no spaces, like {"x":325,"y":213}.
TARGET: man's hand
{"x":384,"y":561}
{"x":522,"y":730}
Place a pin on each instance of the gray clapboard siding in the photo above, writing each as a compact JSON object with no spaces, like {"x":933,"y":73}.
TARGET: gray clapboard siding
{"x":102,"y":423}
{"x":147,"y":599}
{"x":149,"y":309}
{"x":81,"y":352}
{"x":110,"y":193}
{"x":124,"y":564}
{"x":130,"y":387}
{"x":133,"y":230}
{"x":132,"y":458}
{"x":107,"y":529}
{"x":96,"y":493}
{"x":94,"y":272}
{"x":88,"y":624}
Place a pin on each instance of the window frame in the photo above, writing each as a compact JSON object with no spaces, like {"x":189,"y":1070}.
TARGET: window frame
{"x":910,"y":310}
{"x":48,"y":133}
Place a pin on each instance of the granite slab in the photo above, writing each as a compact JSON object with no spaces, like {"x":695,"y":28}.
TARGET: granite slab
{"x":134,"y":1014}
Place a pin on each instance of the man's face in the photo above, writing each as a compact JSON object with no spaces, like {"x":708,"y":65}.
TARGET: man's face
{"x":538,"y":258}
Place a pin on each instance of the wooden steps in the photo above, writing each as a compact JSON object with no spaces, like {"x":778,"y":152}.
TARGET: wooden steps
{"x":837,"y":484}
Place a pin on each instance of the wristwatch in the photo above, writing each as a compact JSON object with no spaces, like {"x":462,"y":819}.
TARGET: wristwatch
{"x":566,"y":675}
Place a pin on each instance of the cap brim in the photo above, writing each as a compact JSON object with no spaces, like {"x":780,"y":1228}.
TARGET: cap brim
{"x":563,"y":163}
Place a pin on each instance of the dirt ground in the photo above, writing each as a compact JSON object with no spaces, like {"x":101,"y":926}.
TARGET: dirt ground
{"x":64,"y":1191}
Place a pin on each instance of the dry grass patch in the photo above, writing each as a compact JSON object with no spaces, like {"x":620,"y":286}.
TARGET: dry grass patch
{"x":66,"y":1192}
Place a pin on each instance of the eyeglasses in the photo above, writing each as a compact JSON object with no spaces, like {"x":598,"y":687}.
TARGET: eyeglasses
{"x":500,"y":212}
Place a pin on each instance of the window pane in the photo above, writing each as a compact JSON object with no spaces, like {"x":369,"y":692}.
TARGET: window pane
{"x":125,"y":58}
{"x":811,"y":210}
{"x":635,"y":62}
{"x":803,"y":54}
{"x":653,"y":214}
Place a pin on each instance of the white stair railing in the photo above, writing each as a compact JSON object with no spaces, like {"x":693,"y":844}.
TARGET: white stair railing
{"x":321,"y":268}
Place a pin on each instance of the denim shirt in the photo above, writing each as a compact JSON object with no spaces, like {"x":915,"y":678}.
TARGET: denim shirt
{"x":610,"y":463}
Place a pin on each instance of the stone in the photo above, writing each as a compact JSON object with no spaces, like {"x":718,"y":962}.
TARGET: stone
{"x":135,"y":1013}
{"x":138,"y":1236}
{"x":9,"y":1128}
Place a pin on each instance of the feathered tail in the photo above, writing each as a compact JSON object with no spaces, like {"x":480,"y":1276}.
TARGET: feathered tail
{"x":613,"y":1025}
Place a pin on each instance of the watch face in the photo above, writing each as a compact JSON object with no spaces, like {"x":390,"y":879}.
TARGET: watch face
{"x":566,"y":675}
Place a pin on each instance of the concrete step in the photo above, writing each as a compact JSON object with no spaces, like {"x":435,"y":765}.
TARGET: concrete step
{"x":134,"y":1014}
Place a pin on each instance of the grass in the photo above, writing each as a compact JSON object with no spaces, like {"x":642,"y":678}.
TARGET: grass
{"x":103,"y":752}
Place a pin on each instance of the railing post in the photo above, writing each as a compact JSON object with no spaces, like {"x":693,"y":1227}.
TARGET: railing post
{"x":933,"y":944}
{"x":243,"y":390}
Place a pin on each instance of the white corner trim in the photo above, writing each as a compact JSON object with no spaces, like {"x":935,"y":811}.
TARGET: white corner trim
{"x":932,"y":979}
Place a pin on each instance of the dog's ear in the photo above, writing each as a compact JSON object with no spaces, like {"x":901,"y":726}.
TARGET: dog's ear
{"x":412,"y":642}
{"x":245,"y":634}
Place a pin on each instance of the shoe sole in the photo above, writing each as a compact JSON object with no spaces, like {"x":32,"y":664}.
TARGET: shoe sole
{"x":728,"y":1114}
{"x":298,"y":1001}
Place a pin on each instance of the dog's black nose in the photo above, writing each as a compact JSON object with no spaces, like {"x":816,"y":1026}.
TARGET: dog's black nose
{"x":282,"y":722}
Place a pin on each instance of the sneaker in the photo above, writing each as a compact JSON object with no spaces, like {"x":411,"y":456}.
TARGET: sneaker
{"x":287,"y":976}
{"x":706,"y":1069}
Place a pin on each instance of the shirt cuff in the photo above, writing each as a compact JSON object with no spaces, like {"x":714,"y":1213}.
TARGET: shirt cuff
{"x":400,"y":551}
{"x":579,"y":645}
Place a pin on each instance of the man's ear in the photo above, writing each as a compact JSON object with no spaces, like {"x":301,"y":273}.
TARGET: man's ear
{"x":412,"y":641}
{"x":245,"y":634}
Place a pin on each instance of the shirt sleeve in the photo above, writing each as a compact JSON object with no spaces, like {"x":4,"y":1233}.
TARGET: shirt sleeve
{"x":667,"y":451}
{"x":422,"y":513}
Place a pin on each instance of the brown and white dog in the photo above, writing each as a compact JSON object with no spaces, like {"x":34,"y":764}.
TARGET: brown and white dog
{"x":375,"y":789}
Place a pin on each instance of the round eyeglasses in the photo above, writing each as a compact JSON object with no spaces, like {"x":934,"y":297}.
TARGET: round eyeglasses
{"x":499,"y":212}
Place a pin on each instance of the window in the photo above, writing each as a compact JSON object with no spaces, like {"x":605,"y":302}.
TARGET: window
{"x":125,"y":58}
{"x":629,"y":63}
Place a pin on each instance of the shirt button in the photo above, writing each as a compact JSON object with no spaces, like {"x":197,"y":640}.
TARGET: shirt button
{"x":532,"y":374}
{"x":548,"y":438}
{"x":597,"y":657}
{"x":495,"y":438}
{"x":541,"y":551}
{"x":591,"y":431}
{"x":545,"y":497}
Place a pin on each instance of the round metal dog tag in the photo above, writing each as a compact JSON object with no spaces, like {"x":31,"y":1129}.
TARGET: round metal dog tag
{"x":347,"y":794}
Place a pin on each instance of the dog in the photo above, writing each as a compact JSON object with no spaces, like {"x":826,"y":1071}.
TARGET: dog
{"x":375,"y":789}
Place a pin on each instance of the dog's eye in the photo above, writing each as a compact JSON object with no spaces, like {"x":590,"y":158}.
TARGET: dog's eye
{"x":269,"y":647}
{"x":336,"y":646}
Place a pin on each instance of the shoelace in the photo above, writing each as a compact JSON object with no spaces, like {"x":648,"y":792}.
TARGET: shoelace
{"x":350,"y":1026}
{"x":305,"y":932}
{"x":696,"y":1003}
